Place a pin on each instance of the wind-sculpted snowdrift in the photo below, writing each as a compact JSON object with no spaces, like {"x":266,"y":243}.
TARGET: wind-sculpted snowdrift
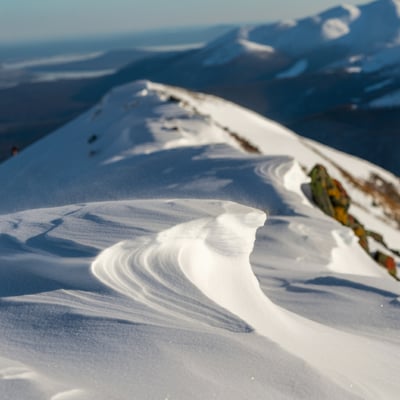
{"x":150,"y":272}
{"x":146,"y":307}
{"x":213,"y":254}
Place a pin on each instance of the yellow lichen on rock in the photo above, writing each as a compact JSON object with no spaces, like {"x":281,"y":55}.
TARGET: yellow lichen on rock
{"x":333,"y":200}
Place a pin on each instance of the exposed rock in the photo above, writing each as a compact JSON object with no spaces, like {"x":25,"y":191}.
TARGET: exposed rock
{"x":245,"y":144}
{"x":339,"y":196}
{"x":360,"y":231}
{"x":377,"y":237}
{"x":387,"y":262}
{"x":321,"y":183}
{"x":333,"y":200}
{"x":385,"y":194}
{"x":173,"y":99}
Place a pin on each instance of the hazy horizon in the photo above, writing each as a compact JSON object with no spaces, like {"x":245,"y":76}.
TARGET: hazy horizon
{"x":45,"y":20}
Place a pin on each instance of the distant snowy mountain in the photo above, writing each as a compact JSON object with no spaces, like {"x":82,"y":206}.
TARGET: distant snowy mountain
{"x":369,"y":30}
{"x":165,"y":245}
{"x":333,"y":77}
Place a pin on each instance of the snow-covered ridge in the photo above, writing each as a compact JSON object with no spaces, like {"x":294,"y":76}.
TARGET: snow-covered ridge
{"x":137,"y":235}
{"x":362,"y":30}
{"x":231,"y":46}
{"x":145,"y":118}
{"x":213,"y":253}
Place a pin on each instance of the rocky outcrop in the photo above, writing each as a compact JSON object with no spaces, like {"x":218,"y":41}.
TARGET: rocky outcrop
{"x":321,"y":185}
{"x":386,"y":262}
{"x":331,"y":197}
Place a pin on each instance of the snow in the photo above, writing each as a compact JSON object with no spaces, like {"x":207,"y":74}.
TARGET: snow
{"x":173,"y":47}
{"x":55,"y":60}
{"x":10,"y":69}
{"x":55,"y":76}
{"x":376,"y":25}
{"x":334,"y":28}
{"x":353,"y":70}
{"x":371,"y":30}
{"x":297,"y":69}
{"x":354,"y":11}
{"x":349,"y":258}
{"x":231,"y":51}
{"x":251,"y":46}
{"x":293,"y":37}
{"x":145,"y":253}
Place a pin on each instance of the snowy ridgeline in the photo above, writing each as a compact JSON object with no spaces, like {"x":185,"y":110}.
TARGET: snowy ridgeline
{"x":164,"y":246}
{"x":369,"y":31}
{"x":346,"y":39}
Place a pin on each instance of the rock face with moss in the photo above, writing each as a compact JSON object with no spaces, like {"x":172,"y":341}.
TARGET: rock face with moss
{"x":330,"y":196}
{"x":387,"y":262}
{"x":321,"y":186}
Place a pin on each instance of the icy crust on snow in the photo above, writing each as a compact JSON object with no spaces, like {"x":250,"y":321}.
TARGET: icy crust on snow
{"x":143,"y":250}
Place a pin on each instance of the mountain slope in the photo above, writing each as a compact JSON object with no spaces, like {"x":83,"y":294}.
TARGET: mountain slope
{"x":332,"y":77}
{"x":135,"y":258}
{"x":366,"y":29}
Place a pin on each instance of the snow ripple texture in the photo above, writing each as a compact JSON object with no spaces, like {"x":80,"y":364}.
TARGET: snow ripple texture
{"x":153,"y":272}
{"x":200,"y":271}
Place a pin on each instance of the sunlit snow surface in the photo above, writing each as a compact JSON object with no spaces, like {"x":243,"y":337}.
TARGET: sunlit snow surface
{"x":144,"y":254}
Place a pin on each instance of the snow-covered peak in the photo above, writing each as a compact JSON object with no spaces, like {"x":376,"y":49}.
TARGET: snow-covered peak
{"x":336,"y":22}
{"x":359,"y":29}
{"x":377,"y":26}
{"x":296,"y":36}
{"x":231,"y":46}
{"x":345,"y":12}
{"x":233,"y":50}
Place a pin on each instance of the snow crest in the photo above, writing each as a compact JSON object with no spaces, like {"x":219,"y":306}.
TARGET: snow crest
{"x":180,"y":270}
{"x":154,"y":272}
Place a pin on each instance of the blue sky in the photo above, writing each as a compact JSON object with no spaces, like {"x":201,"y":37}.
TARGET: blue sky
{"x":22,"y":19}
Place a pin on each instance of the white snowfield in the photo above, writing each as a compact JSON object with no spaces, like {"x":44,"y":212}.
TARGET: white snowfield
{"x":144,"y":254}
